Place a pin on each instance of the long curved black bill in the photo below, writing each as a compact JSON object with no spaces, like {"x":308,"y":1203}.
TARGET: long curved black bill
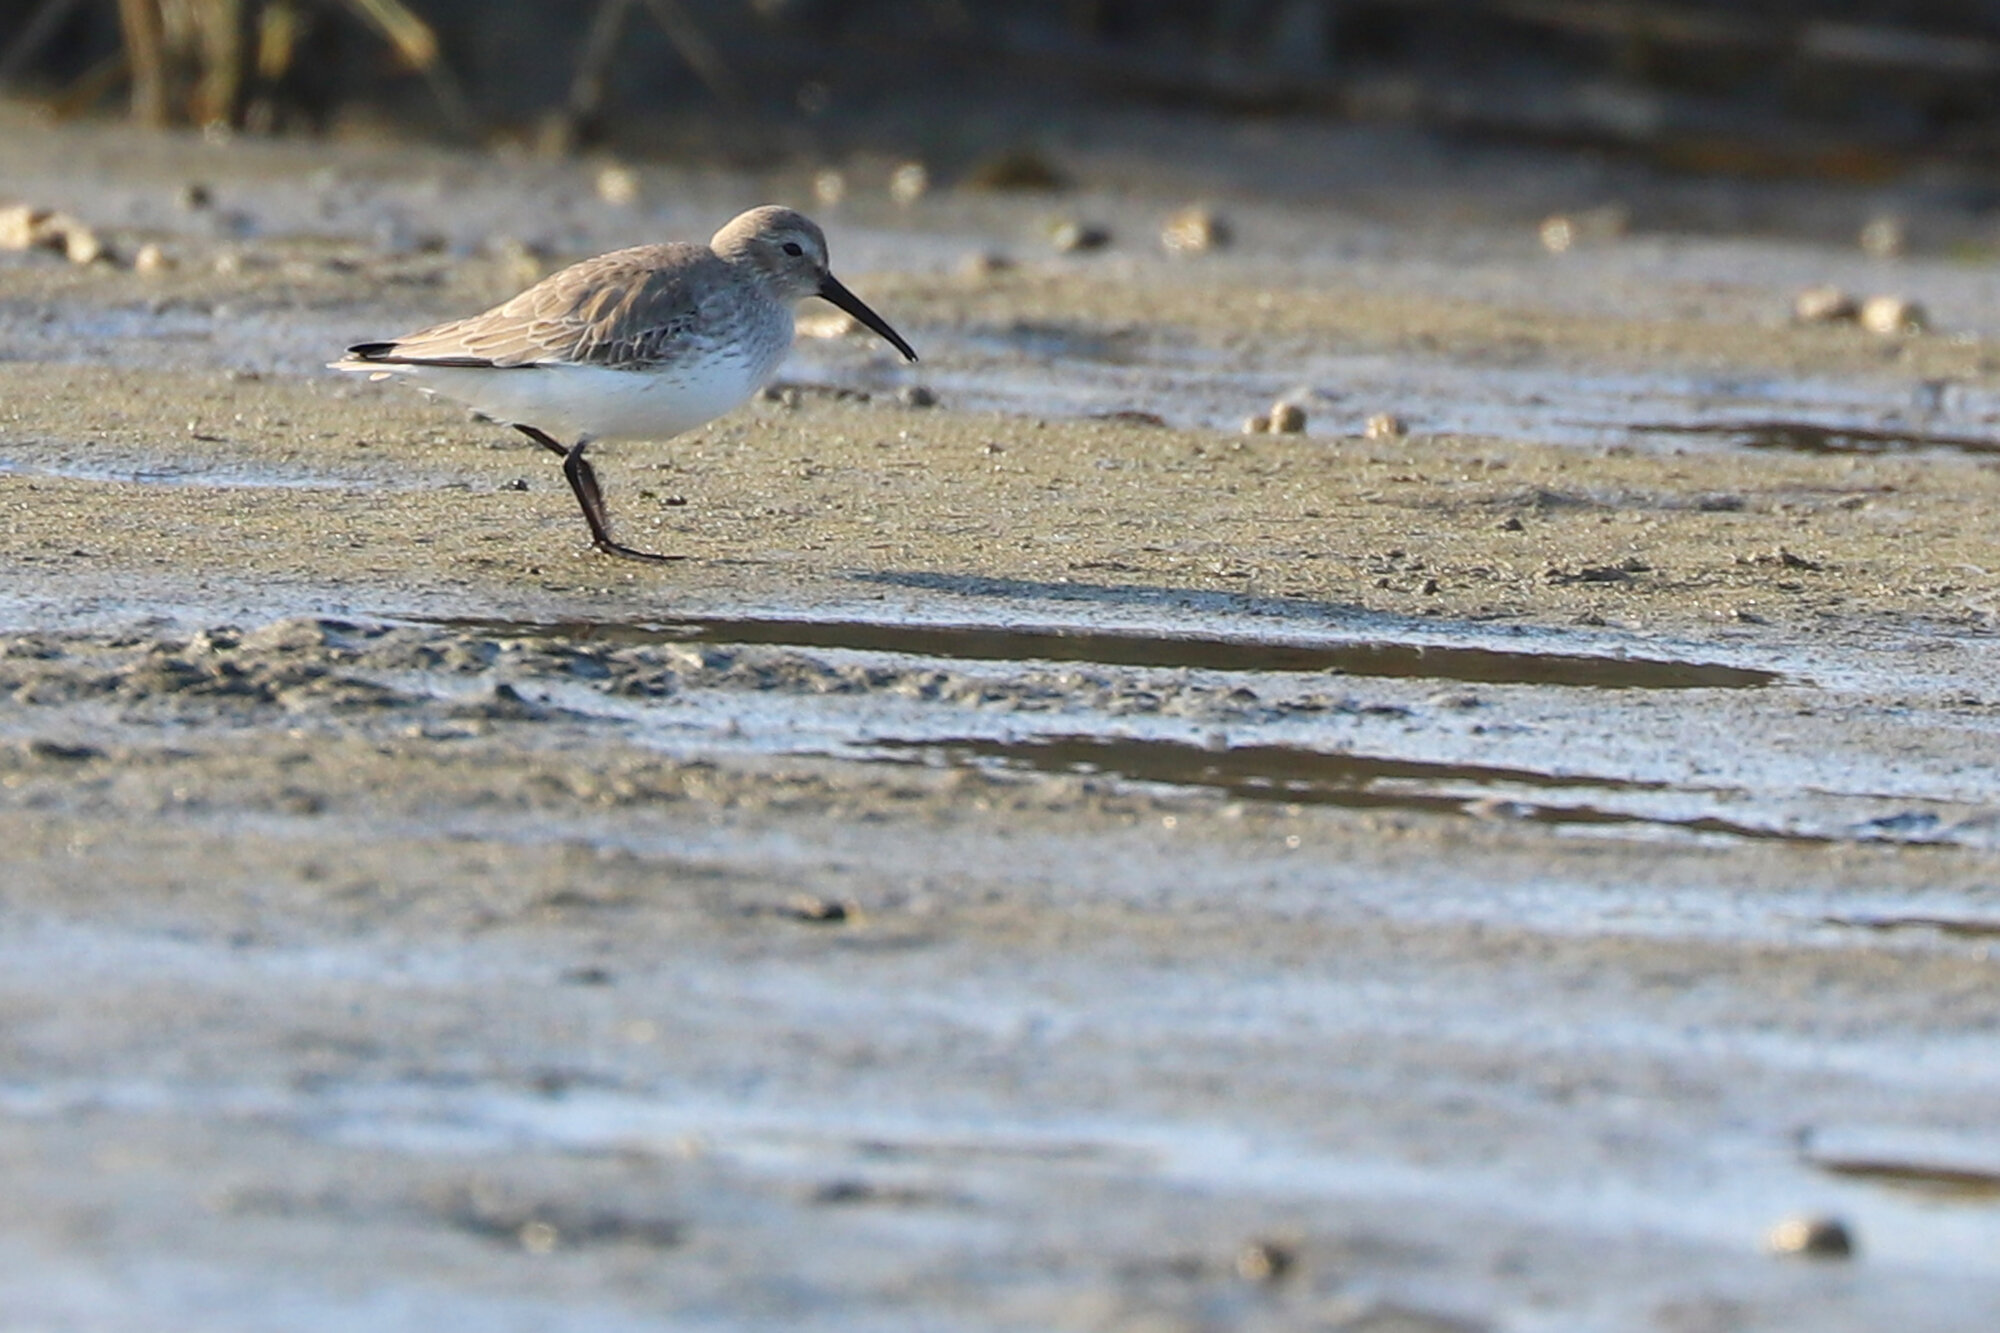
{"x":830,"y":288}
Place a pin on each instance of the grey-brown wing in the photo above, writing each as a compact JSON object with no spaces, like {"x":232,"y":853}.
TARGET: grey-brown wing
{"x":628,"y":307}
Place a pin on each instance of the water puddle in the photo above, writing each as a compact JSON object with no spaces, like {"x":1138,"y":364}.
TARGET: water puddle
{"x":1811,"y":437}
{"x":1964,"y":928}
{"x":990,"y":643}
{"x":1296,"y":776}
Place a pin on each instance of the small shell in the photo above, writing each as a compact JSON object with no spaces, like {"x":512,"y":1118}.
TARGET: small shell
{"x":1893,"y":314}
{"x":82,"y":245}
{"x":1385,"y":426}
{"x":1825,"y":304}
{"x":1561,"y":232}
{"x":1257,"y":425}
{"x":1264,"y":1261}
{"x":1194,"y":231}
{"x":1287,"y":418}
{"x":151,"y":259}
{"x":21,"y":226}
{"x":1811,"y":1238}
{"x":1071,"y":236}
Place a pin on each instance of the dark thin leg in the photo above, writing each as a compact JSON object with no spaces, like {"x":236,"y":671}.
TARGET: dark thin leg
{"x":583,"y":482}
{"x":544,"y":440}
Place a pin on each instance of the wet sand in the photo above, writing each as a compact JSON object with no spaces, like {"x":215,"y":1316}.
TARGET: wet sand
{"x":1026,"y":868}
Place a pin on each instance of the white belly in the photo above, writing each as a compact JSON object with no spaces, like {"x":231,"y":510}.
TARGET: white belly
{"x":572,"y":402}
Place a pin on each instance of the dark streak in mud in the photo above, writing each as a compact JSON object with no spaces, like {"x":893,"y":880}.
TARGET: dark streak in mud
{"x":1483,"y":666}
{"x":1808,"y":437}
{"x":1309,"y":777}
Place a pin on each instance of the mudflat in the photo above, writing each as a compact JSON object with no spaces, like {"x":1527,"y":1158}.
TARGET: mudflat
{"x":1046,"y":858}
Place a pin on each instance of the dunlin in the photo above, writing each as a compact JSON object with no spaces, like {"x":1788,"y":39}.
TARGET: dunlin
{"x":637,"y":344}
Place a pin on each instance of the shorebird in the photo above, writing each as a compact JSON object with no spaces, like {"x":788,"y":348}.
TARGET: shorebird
{"x":638,"y":344}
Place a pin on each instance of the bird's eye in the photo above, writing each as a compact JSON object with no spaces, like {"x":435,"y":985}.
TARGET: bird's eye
{"x":792,"y":249}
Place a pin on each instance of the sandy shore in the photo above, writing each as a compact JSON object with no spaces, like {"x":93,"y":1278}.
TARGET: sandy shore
{"x":1027,"y":868}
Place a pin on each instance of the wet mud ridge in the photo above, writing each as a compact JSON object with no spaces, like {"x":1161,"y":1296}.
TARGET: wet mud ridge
{"x":1259,"y":719}
{"x":1420,"y":726}
{"x":641,"y":842}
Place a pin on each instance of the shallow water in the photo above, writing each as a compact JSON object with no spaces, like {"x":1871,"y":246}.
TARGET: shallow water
{"x":1086,"y":643}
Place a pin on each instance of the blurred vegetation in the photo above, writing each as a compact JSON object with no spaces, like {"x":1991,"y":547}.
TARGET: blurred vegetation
{"x":1839,"y":86}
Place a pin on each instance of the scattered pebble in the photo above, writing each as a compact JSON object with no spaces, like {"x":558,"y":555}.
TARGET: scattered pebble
{"x":1825,"y":304}
{"x":194,"y":196}
{"x":1071,"y":236}
{"x":909,"y":183}
{"x":1884,"y":237}
{"x":811,"y":907}
{"x":1511,"y":525}
{"x":1287,"y":418}
{"x":916,"y":395}
{"x":1264,"y":1261}
{"x":82,"y":245}
{"x":20,"y":226}
{"x":1016,"y":169}
{"x":829,"y":188}
{"x":1811,"y":1238}
{"x":1257,"y":425}
{"x":26,"y":227}
{"x":151,"y":259}
{"x":1888,"y":315}
{"x":1194,"y":231}
{"x":538,"y":1237}
{"x":618,"y":186}
{"x":1385,"y":426}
